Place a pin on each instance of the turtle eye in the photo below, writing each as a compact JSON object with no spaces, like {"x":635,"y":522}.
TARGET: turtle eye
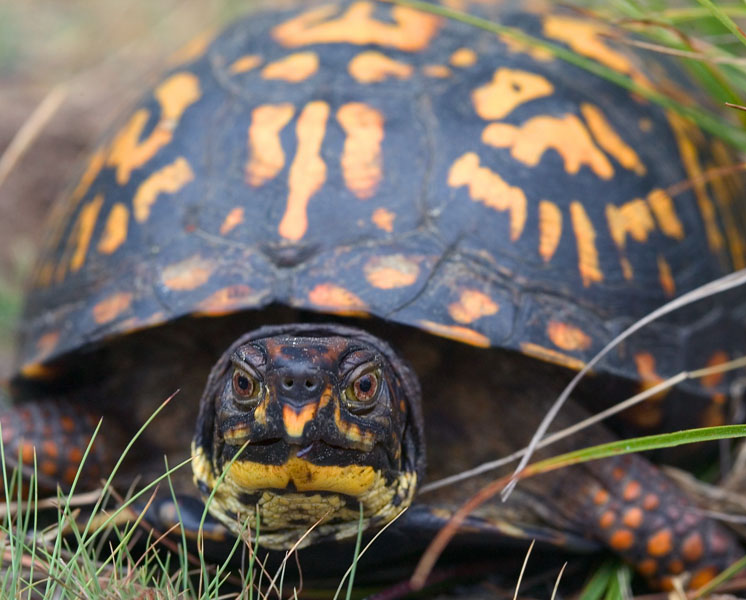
{"x":364,"y":388}
{"x":245,"y":387}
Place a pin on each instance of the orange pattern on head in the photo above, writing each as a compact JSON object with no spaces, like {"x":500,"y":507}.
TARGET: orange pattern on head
{"x":295,"y":422}
{"x":187,"y":274}
{"x":232,"y":220}
{"x":372,"y":67}
{"x":174,"y":95}
{"x":509,"y":89}
{"x":362,"y":163}
{"x":391,"y":271}
{"x":115,"y":230}
{"x":610,"y":140}
{"x":565,"y":135}
{"x":308,"y":171}
{"x":266,"y":156}
{"x":293,"y":68}
{"x":550,"y":229}
{"x":490,"y":189}
{"x":411,"y":31}
{"x":110,"y":308}
{"x":169,"y":180}
{"x":472,"y":305}
{"x":568,"y":337}
{"x":585,"y":237}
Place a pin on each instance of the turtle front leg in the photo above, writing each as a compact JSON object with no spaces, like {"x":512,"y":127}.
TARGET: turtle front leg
{"x":59,"y":433}
{"x":641,"y":515}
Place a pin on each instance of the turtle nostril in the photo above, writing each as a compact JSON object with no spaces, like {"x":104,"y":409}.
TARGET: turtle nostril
{"x":287,"y":383}
{"x":310,"y":385}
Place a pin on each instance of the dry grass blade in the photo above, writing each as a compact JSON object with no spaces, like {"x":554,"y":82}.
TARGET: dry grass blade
{"x":557,"y":581}
{"x":11,"y":508}
{"x":523,"y":569}
{"x":738,"y":106}
{"x":717,"y":286}
{"x":31,"y":129}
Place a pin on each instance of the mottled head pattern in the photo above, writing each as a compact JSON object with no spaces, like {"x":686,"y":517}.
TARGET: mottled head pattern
{"x":307,"y":422}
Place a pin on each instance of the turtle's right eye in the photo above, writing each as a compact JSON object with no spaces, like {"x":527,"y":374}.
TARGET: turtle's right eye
{"x":245,"y":387}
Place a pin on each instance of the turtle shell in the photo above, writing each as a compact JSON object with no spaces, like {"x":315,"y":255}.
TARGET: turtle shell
{"x":363,"y":158}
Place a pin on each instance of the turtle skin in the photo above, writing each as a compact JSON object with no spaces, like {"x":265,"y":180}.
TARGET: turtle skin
{"x":368,"y":160}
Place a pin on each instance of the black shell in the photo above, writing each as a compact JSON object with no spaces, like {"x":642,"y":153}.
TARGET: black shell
{"x":365,"y":158}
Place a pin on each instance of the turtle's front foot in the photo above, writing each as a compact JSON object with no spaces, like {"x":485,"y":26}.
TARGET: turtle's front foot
{"x":49,"y":439}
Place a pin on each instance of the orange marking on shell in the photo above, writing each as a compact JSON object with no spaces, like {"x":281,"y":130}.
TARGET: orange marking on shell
{"x":490,"y":189}
{"x":632,"y":491}
{"x":266,"y":156}
{"x":127,"y":152}
{"x":645,"y":124}
{"x":633,"y":517}
{"x":46,"y":344}
{"x":336,"y":299}
{"x":568,"y":337}
{"x":550,"y":229}
{"x":665,"y":276}
{"x":115,"y":230}
{"x":463,"y":57}
{"x":83,"y":230}
{"x":472,"y":305}
{"x":517,"y":46}
{"x":610,"y":140}
{"x":633,"y":218}
{"x":665,"y":214}
{"x":552,"y":356}
{"x":660,"y":544}
{"x":509,"y":89}
{"x":110,"y":308}
{"x":600,"y":497}
{"x":50,"y":449}
{"x":95,"y":164}
{"x":586,"y":38}
{"x":193,"y":49}
{"x":232,"y":220}
{"x":411,"y":31}
{"x":456,"y":332}
{"x":226,"y":300}
{"x":391,"y":271}
{"x":245,"y":64}
{"x":715,"y":379}
{"x":295,"y":422}
{"x":622,"y":539}
{"x":169,"y":180}
{"x":436,"y":71}
{"x":372,"y":67}
{"x":702,"y":577}
{"x":585,"y":237}
{"x":607,"y":519}
{"x":187,"y":274}
{"x":648,"y":567}
{"x":692,"y":548}
{"x":685,"y":132}
{"x":651,"y":502}
{"x":308,"y":171}
{"x":565,"y":135}
{"x":383,"y":219}
{"x":293,"y":68}
{"x":645,"y":363}
{"x":362,"y":164}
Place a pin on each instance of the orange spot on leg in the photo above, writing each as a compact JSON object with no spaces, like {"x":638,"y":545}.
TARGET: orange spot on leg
{"x":660,"y":544}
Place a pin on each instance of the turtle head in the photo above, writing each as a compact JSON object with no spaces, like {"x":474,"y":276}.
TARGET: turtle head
{"x":304,"y":424}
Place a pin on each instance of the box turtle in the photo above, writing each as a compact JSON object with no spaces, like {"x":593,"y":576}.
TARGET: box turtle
{"x":329,"y":176}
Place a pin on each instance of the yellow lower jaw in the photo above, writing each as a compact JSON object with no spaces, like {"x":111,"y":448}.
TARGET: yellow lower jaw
{"x":351,"y":480}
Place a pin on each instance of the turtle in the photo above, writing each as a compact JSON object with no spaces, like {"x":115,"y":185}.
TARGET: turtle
{"x":370,"y":244}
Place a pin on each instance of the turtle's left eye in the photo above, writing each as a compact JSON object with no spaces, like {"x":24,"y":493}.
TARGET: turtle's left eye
{"x":245,"y":387}
{"x":363,"y":390}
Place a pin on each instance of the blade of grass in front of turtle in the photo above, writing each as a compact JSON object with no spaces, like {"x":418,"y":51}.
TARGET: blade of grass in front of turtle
{"x":707,"y":120}
{"x":600,"y":581}
{"x":616,"y":448}
{"x":727,"y":22}
{"x":356,"y":555}
{"x":721,"y":578}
